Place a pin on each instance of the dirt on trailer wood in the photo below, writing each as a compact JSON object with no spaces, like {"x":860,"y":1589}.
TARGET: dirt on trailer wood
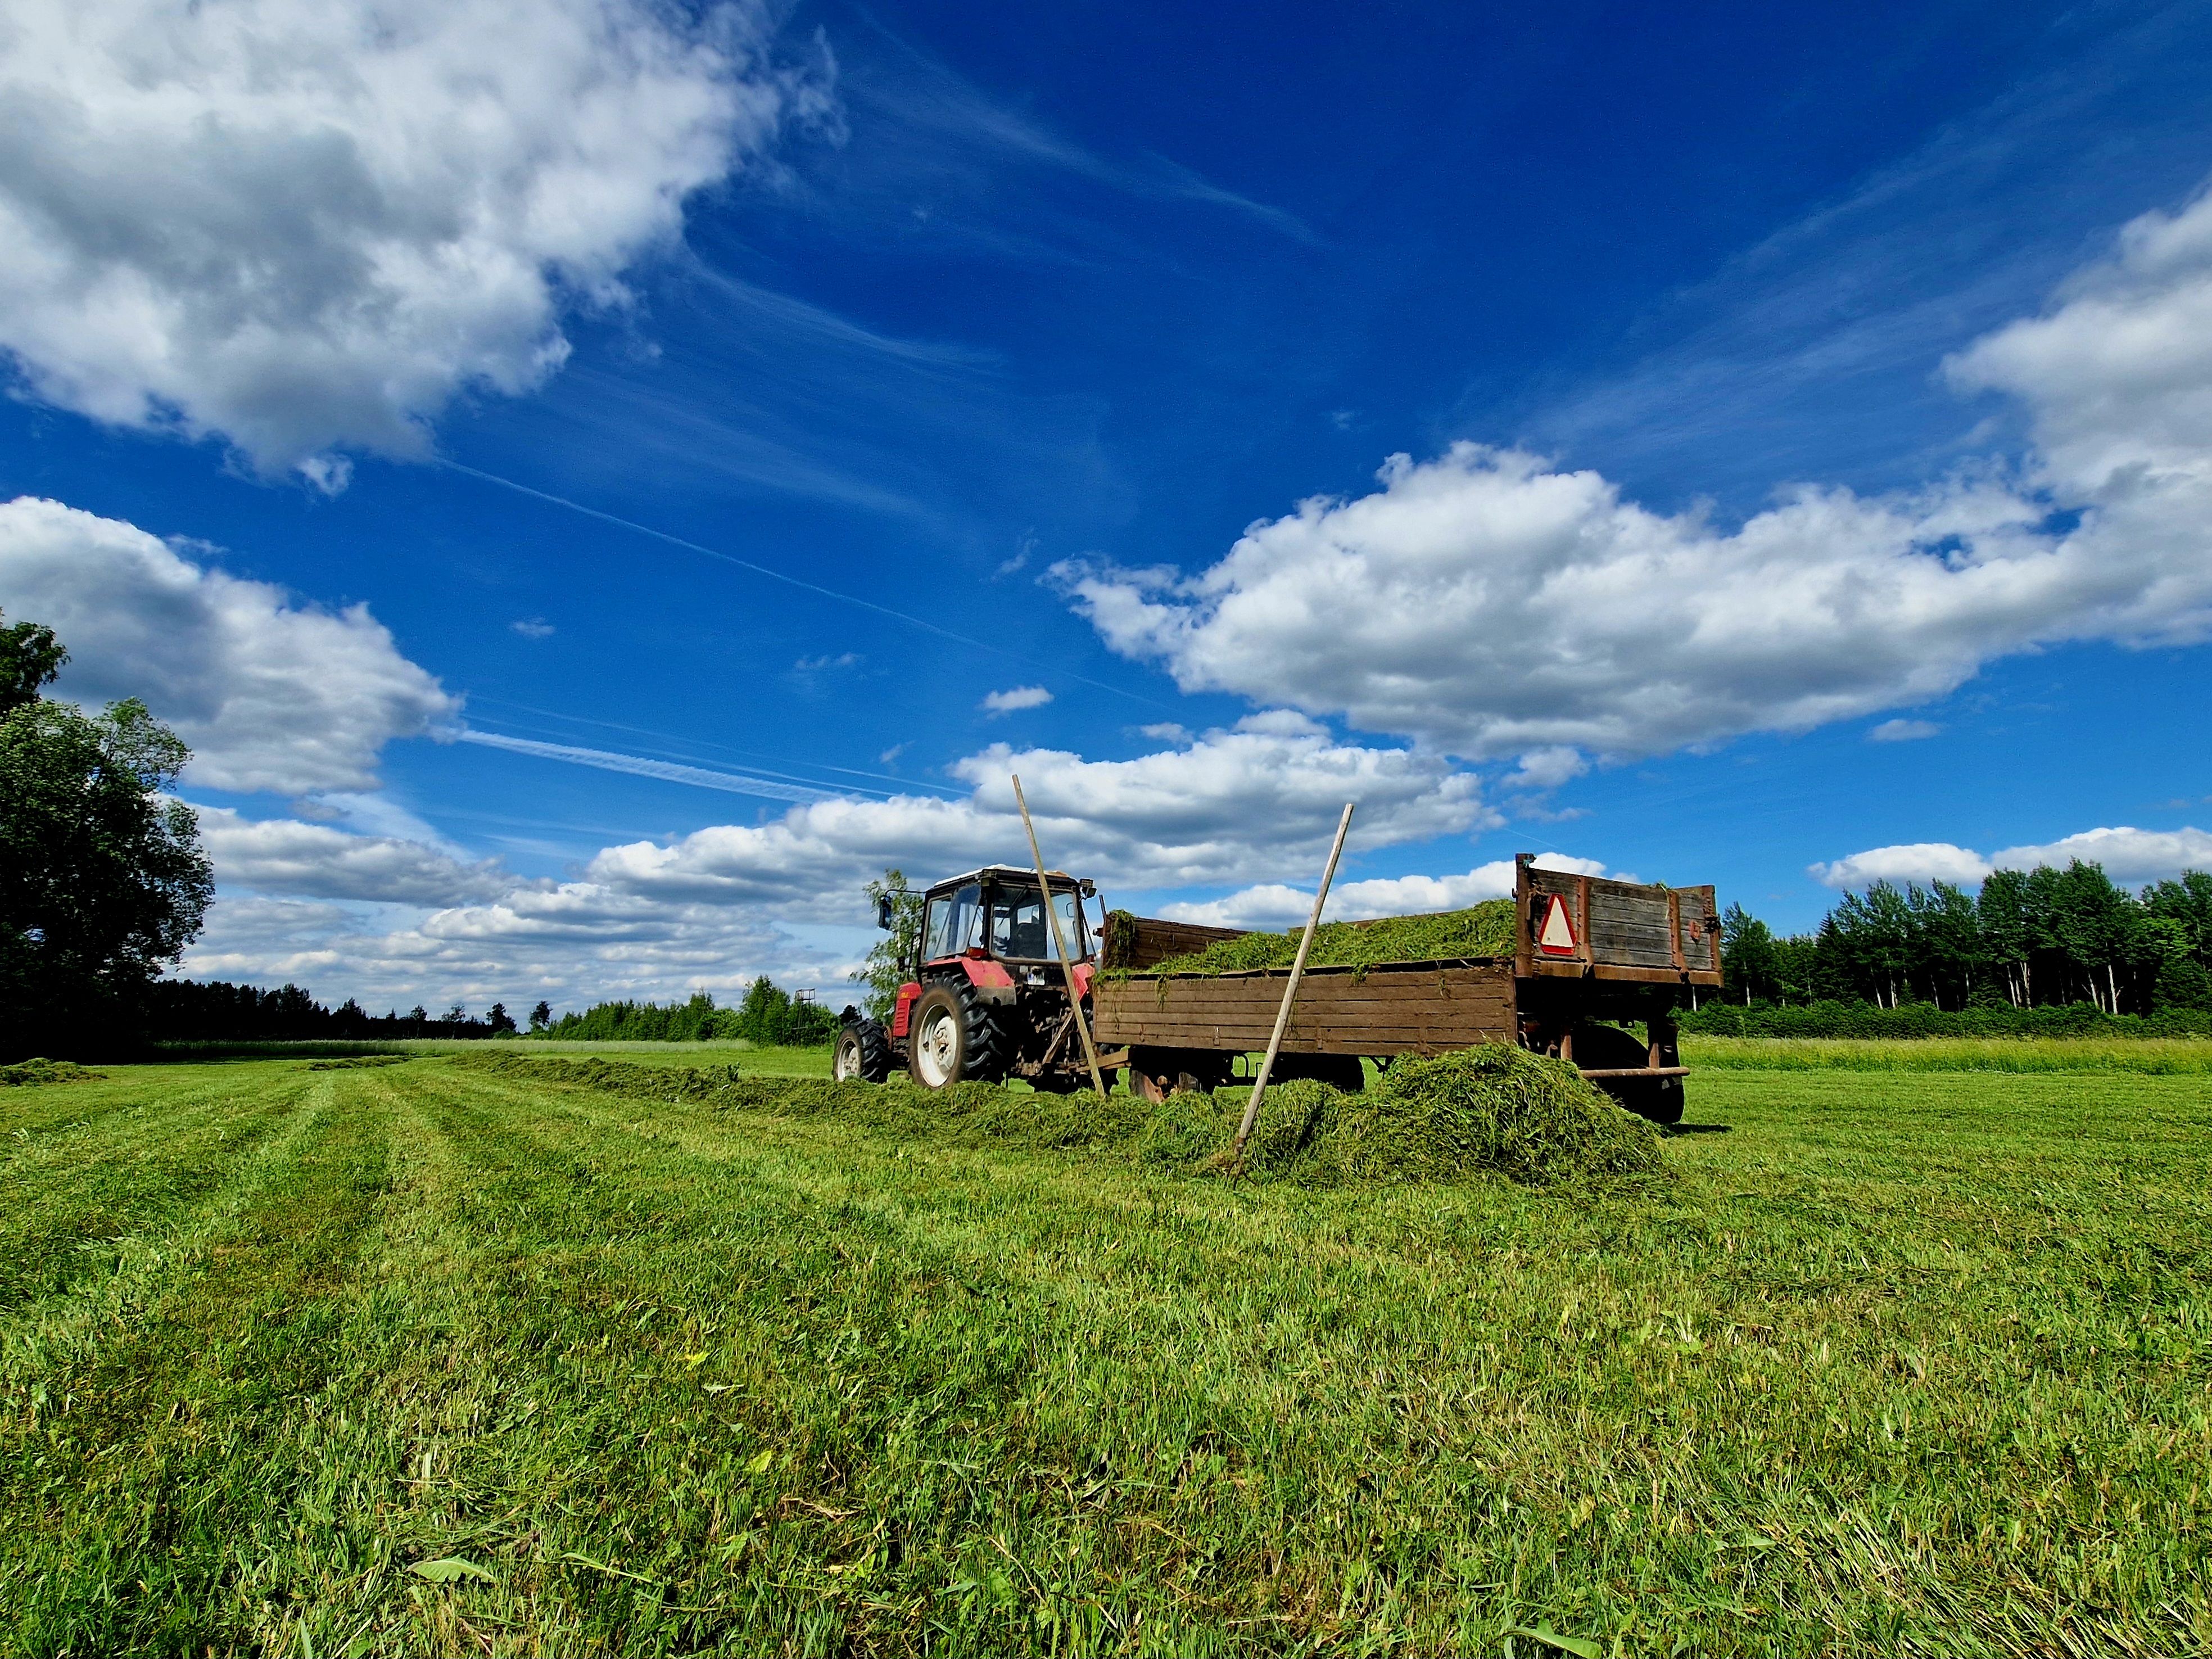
{"x":1485,"y":930}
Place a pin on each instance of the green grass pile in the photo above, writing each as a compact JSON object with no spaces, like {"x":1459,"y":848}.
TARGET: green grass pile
{"x":1492,"y":1110}
{"x":31,"y":1073}
{"x":1486,"y":930}
{"x":615,"y":1077}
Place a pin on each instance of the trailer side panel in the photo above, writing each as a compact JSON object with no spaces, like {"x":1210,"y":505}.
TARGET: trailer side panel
{"x":1395,"y":1008}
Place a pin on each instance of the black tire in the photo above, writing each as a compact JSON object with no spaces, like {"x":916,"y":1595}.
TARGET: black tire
{"x":1607,"y":1048}
{"x":953,"y":1037}
{"x":862,"y":1054}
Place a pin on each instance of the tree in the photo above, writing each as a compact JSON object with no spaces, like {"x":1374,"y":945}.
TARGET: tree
{"x":888,"y":962}
{"x":501,"y":1022}
{"x":30,"y":657}
{"x":1748,"y":961}
{"x":541,"y":1016}
{"x":102,"y":881}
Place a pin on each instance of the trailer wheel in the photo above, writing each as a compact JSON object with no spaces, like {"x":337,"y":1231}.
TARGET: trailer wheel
{"x":1600,"y":1047}
{"x":956,"y":1037}
{"x":1156,"y":1074}
{"x":863,"y":1053}
{"x":1340,"y":1072}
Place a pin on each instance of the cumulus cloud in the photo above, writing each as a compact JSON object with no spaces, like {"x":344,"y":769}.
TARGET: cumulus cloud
{"x":1494,"y":604}
{"x":270,"y":694}
{"x":2127,"y":855}
{"x":1252,"y":804}
{"x":284,"y":857}
{"x":1020,"y":698}
{"x":304,"y":226}
{"x":1902,"y":731}
{"x":1235,"y":803}
{"x":1276,"y":905}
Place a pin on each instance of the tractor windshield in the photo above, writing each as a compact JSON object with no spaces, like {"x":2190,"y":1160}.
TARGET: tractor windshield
{"x":955,"y":923}
{"x":1019,"y":931}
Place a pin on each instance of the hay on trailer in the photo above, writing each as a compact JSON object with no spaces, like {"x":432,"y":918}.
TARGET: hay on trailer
{"x":1485,"y":930}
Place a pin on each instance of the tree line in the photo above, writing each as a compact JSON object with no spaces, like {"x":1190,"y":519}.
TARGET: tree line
{"x":2045,"y":938}
{"x":768,"y":1014}
{"x":216,"y":1011}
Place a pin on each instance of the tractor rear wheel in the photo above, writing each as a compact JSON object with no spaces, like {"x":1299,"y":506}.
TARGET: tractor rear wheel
{"x":863,"y":1053}
{"x":956,"y":1037}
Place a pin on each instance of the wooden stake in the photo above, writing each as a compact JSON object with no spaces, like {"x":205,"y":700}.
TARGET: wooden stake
{"x":1059,"y":945}
{"x":1290,"y":996}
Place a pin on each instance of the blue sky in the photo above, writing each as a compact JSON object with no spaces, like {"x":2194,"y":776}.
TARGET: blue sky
{"x":754,"y":395}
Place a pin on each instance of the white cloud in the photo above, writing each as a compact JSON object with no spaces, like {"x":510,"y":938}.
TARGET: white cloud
{"x":1493,"y":604}
{"x":2118,"y":372}
{"x":2128,"y":856}
{"x":306,"y":225}
{"x":283,"y":857}
{"x":1903,"y":730}
{"x":1165,"y":732}
{"x":1237,"y":805}
{"x":712,"y":908}
{"x":1020,"y":698}
{"x":532,"y":628}
{"x":1277,"y":906}
{"x":1547,"y":769}
{"x":269,"y":694}
{"x":1922,"y":861}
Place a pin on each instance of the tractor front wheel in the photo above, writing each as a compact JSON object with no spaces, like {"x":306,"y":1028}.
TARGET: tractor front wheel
{"x":956,"y":1037}
{"x":863,"y":1053}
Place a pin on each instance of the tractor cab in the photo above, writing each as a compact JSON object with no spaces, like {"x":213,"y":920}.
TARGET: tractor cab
{"x":997,"y":914}
{"x":986,"y":997}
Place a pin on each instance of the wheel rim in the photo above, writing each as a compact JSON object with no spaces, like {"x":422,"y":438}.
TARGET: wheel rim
{"x":937,"y":1049}
{"x":847,"y":1062}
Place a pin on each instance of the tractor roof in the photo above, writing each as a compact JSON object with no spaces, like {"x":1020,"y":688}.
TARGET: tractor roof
{"x":1012,"y":875}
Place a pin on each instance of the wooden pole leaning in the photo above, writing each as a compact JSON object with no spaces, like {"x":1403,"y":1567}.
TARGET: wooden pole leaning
{"x":1060,"y":945}
{"x":1290,"y":996}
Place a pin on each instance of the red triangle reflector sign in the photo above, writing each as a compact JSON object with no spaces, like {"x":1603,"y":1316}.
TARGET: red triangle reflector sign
{"x":1556,"y":937}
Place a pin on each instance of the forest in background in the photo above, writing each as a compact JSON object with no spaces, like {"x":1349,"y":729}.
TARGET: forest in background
{"x":2033,"y":940}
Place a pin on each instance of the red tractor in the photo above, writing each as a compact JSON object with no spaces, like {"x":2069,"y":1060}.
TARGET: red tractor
{"x":986,"y":999}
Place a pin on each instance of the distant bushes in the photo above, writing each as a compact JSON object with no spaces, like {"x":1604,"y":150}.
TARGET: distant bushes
{"x":1832,"y":1018}
{"x":768,"y":1015}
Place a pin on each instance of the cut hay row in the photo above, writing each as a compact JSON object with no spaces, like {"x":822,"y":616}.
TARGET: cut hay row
{"x":1489,"y":1110}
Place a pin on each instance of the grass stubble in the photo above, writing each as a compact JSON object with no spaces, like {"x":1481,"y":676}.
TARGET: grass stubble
{"x":440,"y":1358}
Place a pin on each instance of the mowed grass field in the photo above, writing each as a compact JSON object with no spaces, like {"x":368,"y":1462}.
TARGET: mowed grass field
{"x":419,"y":1358}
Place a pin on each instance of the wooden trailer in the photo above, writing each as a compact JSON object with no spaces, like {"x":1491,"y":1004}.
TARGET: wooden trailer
{"x":1591,"y":957}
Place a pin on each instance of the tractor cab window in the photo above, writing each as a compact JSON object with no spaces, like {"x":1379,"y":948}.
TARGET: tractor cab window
{"x":955,"y":922}
{"x":1019,"y":931}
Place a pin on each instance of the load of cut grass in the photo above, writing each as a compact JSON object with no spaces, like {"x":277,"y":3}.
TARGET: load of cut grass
{"x":1491,"y":1107}
{"x":1485,"y":930}
{"x":33,"y":1073}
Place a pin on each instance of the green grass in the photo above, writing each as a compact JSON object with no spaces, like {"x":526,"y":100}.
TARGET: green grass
{"x":771,"y":1061}
{"x":2158,"y":1056}
{"x":426,"y":1358}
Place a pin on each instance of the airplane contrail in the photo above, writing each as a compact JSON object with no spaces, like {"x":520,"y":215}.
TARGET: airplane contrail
{"x":607,"y":760}
{"x":775,"y":575}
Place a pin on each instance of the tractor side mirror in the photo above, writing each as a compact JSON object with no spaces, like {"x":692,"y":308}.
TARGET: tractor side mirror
{"x":884,"y":913}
